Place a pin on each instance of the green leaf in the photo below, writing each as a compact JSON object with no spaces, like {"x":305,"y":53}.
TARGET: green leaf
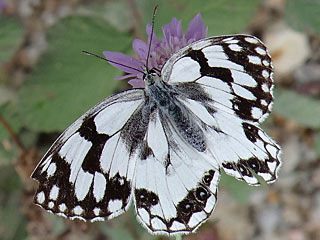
{"x":11,"y":36}
{"x":66,"y":82}
{"x":117,"y":13}
{"x":9,"y":181}
{"x":303,"y":14}
{"x":6,"y":155}
{"x":12,"y":220}
{"x":221,"y":16}
{"x":239,"y":190}
{"x":6,"y":94}
{"x":10,"y":115}
{"x":57,"y":224}
{"x":118,"y":234}
{"x":303,"y":109}
{"x":317,"y":143}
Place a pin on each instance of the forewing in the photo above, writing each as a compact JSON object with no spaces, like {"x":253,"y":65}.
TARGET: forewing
{"x":88,"y":171}
{"x":238,"y":67}
{"x":175,"y":187}
{"x":226,"y":82}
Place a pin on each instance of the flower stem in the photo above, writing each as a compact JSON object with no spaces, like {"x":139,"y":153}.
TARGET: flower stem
{"x":12,"y":134}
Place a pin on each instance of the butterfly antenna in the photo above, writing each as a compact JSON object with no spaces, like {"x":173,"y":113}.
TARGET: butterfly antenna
{"x":110,"y":61}
{"x":152,"y":29}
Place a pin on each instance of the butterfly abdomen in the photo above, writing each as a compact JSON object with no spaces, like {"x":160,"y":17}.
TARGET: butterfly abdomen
{"x":187,"y":128}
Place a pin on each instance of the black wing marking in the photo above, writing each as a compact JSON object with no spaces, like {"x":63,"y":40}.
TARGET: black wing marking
{"x":88,"y":172}
{"x":227,"y":83}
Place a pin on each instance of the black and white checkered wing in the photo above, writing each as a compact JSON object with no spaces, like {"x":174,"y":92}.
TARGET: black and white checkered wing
{"x":227,"y":83}
{"x":175,"y":187}
{"x":88,"y":171}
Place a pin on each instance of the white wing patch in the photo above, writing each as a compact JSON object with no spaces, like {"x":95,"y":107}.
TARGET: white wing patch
{"x":99,"y":186}
{"x":186,"y":71}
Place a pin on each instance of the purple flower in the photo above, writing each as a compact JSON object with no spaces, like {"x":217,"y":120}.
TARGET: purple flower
{"x":160,"y":50}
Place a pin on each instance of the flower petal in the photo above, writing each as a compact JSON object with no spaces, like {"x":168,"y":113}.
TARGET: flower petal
{"x":155,"y":39}
{"x":196,"y":29}
{"x":134,"y":80}
{"x":141,"y":49}
{"x":160,"y":50}
{"x":173,"y":29}
{"x":125,"y":76}
{"x":134,"y":66}
{"x":136,"y":83}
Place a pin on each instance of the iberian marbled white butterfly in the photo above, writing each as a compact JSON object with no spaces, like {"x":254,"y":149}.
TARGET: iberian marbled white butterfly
{"x":162,"y":146}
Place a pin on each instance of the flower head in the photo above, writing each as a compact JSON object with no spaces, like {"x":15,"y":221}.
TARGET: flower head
{"x":160,"y":50}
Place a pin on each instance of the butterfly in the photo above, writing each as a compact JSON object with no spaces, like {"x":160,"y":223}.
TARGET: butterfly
{"x":163,"y":147}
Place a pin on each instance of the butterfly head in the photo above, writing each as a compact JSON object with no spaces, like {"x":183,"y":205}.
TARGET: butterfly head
{"x":150,"y":76}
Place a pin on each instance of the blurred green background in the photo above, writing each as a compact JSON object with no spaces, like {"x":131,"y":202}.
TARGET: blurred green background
{"x":46,"y":84}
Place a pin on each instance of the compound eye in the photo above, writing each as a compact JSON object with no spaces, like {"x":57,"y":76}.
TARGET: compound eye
{"x":152,"y":72}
